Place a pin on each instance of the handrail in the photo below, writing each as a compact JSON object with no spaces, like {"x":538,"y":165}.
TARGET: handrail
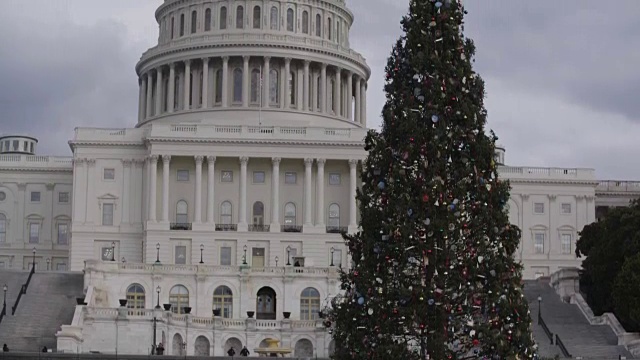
{"x":3,"y":312}
{"x":545,"y":328}
{"x":564,"y":350}
{"x":23,"y":290}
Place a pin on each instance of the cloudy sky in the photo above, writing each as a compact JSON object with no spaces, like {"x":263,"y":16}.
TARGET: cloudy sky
{"x":563,"y":77}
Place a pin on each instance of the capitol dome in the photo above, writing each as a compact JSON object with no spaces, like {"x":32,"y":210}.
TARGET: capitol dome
{"x":253,"y":62}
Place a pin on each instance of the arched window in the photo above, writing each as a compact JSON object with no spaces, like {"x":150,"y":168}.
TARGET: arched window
{"x":223,"y":18}
{"x":334,"y":215}
{"x":194,"y":21}
{"x":305,"y":22}
{"x":338,"y":31}
{"x":207,"y":20}
{"x":226,"y":213}
{"x":173,"y":27}
{"x":318,"y":92}
{"x":135,"y":296}
{"x":290,"y":214}
{"x":290,"y":20}
{"x":257,"y":17}
{"x":3,"y":228}
{"x":309,"y":304}
{"x":182,"y":212}
{"x":274,"y":86}
{"x":318,"y":25}
{"x":179,"y":299}
{"x":219,"y":86}
{"x":274,"y":18}
{"x":329,"y":26}
{"x":176,"y":92}
{"x":237,"y":85}
{"x":223,"y":300}
{"x":258,"y":213}
{"x":293,"y":88}
{"x":255,"y":86}
{"x":181,"y":24}
{"x":240,"y":17}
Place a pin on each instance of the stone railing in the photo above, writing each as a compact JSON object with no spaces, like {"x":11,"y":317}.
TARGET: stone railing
{"x":36,"y":161}
{"x":98,"y":134}
{"x":618,"y":186}
{"x":527,"y":172}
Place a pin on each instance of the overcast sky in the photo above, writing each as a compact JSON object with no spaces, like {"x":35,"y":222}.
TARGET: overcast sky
{"x":563,"y":77}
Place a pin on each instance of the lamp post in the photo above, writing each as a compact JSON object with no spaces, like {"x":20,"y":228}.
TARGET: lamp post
{"x":201,"y":250}
{"x":5,"y":288}
{"x":158,"y":297}
{"x":48,"y":263}
{"x":216,"y":312}
{"x":34,"y":259}
{"x":277,"y":261}
{"x":244,"y":257}
{"x":113,"y":251}
{"x":153,"y":346}
{"x":539,"y":310}
{"x":158,"y":253}
{"x":332,"y":251}
{"x":288,"y":256}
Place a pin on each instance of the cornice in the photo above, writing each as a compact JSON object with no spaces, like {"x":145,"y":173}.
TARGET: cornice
{"x":618,"y":193}
{"x":256,"y":142}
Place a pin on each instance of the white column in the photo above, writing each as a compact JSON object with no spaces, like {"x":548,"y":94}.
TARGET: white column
{"x":149,"y":95}
{"x":198,"y":216}
{"x":349,"y":104}
{"x":171,"y":99}
{"x":242,"y":215}
{"x":287,"y":92}
{"x":307,"y":191}
{"x":187,"y":84}
{"x":126,"y":193}
{"x":246,"y":75}
{"x":205,"y":83}
{"x":353,"y":185}
{"x":166,"y":160}
{"x":363,"y":102}
{"x":141,"y":96}
{"x":265,"y":83}
{"x":153,"y":180}
{"x":159,"y":91}
{"x":225,"y":81}
{"x":320,"y":194}
{"x":306,"y":89}
{"x":337,"y":101}
{"x":211,"y":166}
{"x":275,"y":195}
{"x":358,"y":102}
{"x":323,"y":89}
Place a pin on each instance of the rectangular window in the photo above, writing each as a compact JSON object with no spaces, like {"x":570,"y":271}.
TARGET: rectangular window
{"x":226,"y":176}
{"x":566,"y":243}
{"x":34,"y":233}
{"x":257,"y":259}
{"x":290,"y":178}
{"x":337,"y":258}
{"x":107,"y":253}
{"x":225,"y":255}
{"x":258,"y":177}
{"x":63,"y":197}
{"x":183,"y":175}
{"x":181,"y":255}
{"x":566,"y":208}
{"x":538,"y":243}
{"x":15,"y":145}
{"x":61,"y":267}
{"x":109,"y":174}
{"x":107,"y":214}
{"x":538,"y":208}
{"x":2,"y":265}
{"x":63,"y":231}
{"x":35,"y":196}
{"x":334,"y":179}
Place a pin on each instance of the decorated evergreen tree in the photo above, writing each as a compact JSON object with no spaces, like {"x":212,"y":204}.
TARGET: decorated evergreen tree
{"x":433,"y":272}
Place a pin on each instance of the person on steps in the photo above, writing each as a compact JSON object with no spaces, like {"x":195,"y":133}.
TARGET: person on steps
{"x":231,"y":352}
{"x":44,"y":349}
{"x":244,"y":351}
{"x":5,"y":348}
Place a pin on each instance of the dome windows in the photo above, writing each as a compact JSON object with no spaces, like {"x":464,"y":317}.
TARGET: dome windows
{"x":318,"y":25}
{"x":237,"y":85}
{"x":181,"y":24}
{"x":290,"y":20}
{"x":240,"y":17}
{"x":305,"y":22}
{"x":257,"y":17}
{"x":223,"y":18}
{"x":207,"y":20}
{"x":274,"y":19}
{"x":194,"y":21}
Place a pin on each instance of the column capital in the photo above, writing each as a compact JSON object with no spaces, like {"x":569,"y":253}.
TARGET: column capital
{"x":79,"y":161}
{"x":187,"y":62}
{"x":225,"y":59}
{"x":244,"y":160}
{"x":172,"y":65}
{"x":323,"y":66}
{"x":307,"y":63}
{"x":139,"y":162}
{"x":287,"y":60}
{"x":321,"y":162}
{"x":353,"y":163}
{"x":50,"y":186}
{"x":267,"y":59}
{"x":308,"y":161}
{"x":166,"y":158}
{"x":153,"y":158}
{"x":159,"y":69}
{"x":211,"y":159}
{"x":276,"y":160}
{"x":205,"y":59}
{"x":127,"y":163}
{"x":91,"y":162}
{"x":199,"y":159}
{"x":246,"y":58}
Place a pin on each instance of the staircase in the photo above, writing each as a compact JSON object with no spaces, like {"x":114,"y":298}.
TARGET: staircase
{"x":567,"y":321}
{"x":14,"y":281}
{"x":49,"y":302}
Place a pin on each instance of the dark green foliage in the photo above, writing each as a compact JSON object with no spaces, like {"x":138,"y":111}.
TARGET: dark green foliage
{"x":433,"y":265}
{"x":626,"y":294}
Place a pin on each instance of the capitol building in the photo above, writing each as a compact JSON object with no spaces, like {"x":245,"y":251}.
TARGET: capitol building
{"x":218,"y":216}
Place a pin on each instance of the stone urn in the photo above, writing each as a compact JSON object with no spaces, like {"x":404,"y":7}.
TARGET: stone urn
{"x":123,"y":302}
{"x":286,"y":314}
{"x":167,"y":307}
{"x":250,"y":314}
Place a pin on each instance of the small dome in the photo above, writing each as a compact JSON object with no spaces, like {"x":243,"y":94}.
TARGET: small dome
{"x":18,"y":144}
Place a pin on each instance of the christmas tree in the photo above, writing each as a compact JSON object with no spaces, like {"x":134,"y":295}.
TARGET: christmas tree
{"x":433,"y":272}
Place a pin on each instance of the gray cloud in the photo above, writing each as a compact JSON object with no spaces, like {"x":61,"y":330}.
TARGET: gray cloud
{"x":561,"y":76}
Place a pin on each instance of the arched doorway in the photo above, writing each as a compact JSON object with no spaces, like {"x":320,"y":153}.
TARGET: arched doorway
{"x":202,"y":347}
{"x":177,"y":345}
{"x":304,"y":348}
{"x":234,"y":343}
{"x":266,"y":304}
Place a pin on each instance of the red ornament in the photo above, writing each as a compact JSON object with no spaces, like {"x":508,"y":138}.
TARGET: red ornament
{"x":425,"y":198}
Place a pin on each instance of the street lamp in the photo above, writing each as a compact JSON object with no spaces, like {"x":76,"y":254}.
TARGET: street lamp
{"x":48,"y":262}
{"x":113,"y":251}
{"x":201,"y":250}
{"x":158,"y":291}
{"x":276,"y":261}
{"x":539,"y":310}
{"x":288,"y":256}
{"x":5,"y":288}
{"x":332,"y":251}
{"x":34,"y":259}
{"x":158,"y":253}
{"x":244,"y":257}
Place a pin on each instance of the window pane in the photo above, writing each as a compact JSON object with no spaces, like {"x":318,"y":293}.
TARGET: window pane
{"x":63,"y":230}
{"x":538,"y":208}
{"x":225,"y":256}
{"x":566,"y":208}
{"x":257,"y":14}
{"x":223,"y":18}
{"x":181,"y":255}
{"x":290,"y":178}
{"x":183,"y":175}
{"x":218,"y":86}
{"x":35,"y":196}
{"x":274,"y":86}
{"x":207,"y":20}
{"x":237,"y":85}
{"x":109,"y":174}
{"x":337,"y":258}
{"x":3,"y":228}
{"x":107,"y":214}
{"x":258,"y":177}
{"x":61,"y":267}
{"x":290,"y":20}
{"x":274,"y":18}
{"x":63,"y":197}
{"x":194,"y":21}
{"x":255,"y":86}
{"x":539,"y":243}
{"x":566,"y":243}
{"x":305,"y":22}
{"x":239,"y":17}
{"x":34,"y":233}
{"x":334,"y":179}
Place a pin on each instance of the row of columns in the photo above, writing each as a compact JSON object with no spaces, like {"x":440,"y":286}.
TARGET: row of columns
{"x":151,"y":102}
{"x":275,"y":193}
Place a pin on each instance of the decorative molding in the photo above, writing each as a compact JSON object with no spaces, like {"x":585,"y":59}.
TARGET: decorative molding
{"x":50,"y":186}
{"x":525,"y":197}
{"x":353,"y":162}
{"x":308,"y":162}
{"x":91,"y":162}
{"x":166,"y":159}
{"x":153,"y":158}
{"x":127,"y":163}
{"x":276,"y":160}
{"x":211,"y":159}
{"x":139,"y":162}
{"x":22,"y":186}
{"x":244,"y":160}
{"x":552,"y":197}
{"x":199,"y":159}
{"x":79,"y":161}
{"x":321,"y":161}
